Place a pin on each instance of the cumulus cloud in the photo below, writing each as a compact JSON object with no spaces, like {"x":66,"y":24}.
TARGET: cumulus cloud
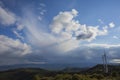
{"x":65,"y":32}
{"x":38,"y":37}
{"x":90,"y":32}
{"x":9,"y":46}
{"x":111,"y":25}
{"x":7,"y":17}
{"x":65,"y":22}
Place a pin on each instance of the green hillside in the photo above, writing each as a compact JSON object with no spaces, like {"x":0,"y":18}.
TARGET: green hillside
{"x":94,"y":73}
{"x":24,"y":74}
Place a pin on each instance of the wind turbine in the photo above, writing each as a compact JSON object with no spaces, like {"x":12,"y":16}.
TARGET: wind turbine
{"x":105,"y":64}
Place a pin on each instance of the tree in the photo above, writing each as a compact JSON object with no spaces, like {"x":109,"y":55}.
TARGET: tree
{"x":114,"y":74}
{"x":75,"y":77}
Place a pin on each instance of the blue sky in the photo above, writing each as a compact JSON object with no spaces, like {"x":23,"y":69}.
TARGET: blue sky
{"x":59,"y":31}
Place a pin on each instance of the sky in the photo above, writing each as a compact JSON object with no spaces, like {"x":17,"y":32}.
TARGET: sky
{"x":59,"y":31}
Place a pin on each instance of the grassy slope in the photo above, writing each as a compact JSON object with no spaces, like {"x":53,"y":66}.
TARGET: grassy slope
{"x":30,"y":73}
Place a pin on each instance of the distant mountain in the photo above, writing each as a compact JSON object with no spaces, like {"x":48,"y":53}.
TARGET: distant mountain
{"x":45,"y":66}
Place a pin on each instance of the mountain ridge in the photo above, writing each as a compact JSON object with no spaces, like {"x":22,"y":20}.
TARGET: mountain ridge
{"x":37,"y":73}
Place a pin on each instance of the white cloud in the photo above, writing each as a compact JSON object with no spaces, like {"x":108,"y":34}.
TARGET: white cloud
{"x":64,"y":22}
{"x":105,"y":27}
{"x":65,"y":29}
{"x":39,"y":18}
{"x":90,"y":32}
{"x":67,"y":33}
{"x":101,"y":21}
{"x":35,"y":33}
{"x":18,"y":35}
{"x":9,"y":46}
{"x":42,"y":4}
{"x":7,"y":17}
{"x":19,"y":26}
{"x":115,"y":37}
{"x":111,"y":25}
{"x":40,"y":38}
{"x":115,"y":61}
{"x":67,"y":46}
{"x":102,"y":45}
{"x":42,"y":11}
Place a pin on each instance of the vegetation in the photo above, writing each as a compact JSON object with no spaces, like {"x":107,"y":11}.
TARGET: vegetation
{"x":95,"y":73}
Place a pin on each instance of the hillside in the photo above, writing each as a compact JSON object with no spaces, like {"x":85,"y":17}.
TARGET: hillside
{"x":99,"y":69}
{"x":24,"y":74}
{"x":94,"y":73}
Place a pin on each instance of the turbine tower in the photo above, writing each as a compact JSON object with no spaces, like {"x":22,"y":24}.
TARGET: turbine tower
{"x":105,"y":65}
